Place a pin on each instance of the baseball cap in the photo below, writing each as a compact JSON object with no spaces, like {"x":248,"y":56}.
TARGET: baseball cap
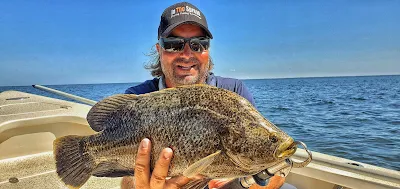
{"x":181,"y":13}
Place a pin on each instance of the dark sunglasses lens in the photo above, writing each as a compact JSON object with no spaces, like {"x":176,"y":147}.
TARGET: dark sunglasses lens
{"x":178,"y":44}
{"x":199,"y":45}
{"x":173,"y":45}
{"x":205,"y":43}
{"x":196,"y":46}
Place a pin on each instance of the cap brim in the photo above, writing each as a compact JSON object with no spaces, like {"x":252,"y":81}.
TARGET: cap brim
{"x":173,"y":26}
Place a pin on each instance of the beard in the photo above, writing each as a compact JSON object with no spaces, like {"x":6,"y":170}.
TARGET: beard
{"x":178,"y":80}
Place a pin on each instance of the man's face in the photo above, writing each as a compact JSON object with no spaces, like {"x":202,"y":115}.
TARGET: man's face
{"x":187,"y":67}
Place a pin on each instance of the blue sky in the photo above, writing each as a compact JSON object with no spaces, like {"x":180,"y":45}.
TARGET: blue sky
{"x":68,"y":42}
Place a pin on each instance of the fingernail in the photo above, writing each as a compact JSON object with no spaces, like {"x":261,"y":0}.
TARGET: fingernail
{"x":168,"y":153}
{"x":145,"y":143}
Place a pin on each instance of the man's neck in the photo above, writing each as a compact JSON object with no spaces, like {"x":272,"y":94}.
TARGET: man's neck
{"x":165,"y":83}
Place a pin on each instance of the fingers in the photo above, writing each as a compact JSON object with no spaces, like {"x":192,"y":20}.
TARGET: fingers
{"x":157,"y":180}
{"x":176,"y":182}
{"x":127,"y":182}
{"x":218,"y":183}
{"x":160,"y":171}
{"x":142,"y":165}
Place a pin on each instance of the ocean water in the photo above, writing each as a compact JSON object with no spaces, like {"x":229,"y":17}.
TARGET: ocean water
{"x":357,"y":118}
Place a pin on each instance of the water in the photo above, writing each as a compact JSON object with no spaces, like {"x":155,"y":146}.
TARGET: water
{"x":357,"y":118}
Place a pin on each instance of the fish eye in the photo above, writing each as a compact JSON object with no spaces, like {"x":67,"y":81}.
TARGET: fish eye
{"x":274,"y":139}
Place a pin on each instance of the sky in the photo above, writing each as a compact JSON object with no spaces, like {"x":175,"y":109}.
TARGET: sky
{"x":80,"y":42}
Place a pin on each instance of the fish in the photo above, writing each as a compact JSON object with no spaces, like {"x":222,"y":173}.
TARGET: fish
{"x":213,"y":132}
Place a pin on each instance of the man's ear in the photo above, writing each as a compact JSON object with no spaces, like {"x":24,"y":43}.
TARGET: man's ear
{"x":158,"y":48}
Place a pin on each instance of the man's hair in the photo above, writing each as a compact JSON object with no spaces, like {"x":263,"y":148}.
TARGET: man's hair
{"x":154,"y":64}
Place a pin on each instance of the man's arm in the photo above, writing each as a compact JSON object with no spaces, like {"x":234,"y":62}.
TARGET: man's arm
{"x":244,"y":92}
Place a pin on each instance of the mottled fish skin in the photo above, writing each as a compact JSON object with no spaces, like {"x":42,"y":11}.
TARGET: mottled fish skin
{"x":195,"y":121}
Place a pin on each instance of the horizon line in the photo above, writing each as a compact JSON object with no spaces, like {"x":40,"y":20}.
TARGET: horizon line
{"x":244,"y":79}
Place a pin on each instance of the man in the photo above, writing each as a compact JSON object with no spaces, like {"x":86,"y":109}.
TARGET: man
{"x":182,"y":58}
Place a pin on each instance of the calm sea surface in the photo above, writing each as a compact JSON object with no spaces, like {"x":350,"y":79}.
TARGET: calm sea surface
{"x":357,"y":118}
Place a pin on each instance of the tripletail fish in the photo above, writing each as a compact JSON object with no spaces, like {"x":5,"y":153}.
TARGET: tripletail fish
{"x":213,"y":132}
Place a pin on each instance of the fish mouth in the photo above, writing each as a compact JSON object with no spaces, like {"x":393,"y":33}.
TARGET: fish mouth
{"x":286,"y":149}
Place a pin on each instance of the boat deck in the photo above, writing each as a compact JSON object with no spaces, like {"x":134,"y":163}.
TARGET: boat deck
{"x":28,"y":126}
{"x":38,"y":171}
{"x":30,"y":123}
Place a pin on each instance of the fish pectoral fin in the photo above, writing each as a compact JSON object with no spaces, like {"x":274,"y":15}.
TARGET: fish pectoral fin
{"x":197,"y":184}
{"x":200,"y":165}
{"x":112,"y":169}
{"x":244,"y":163}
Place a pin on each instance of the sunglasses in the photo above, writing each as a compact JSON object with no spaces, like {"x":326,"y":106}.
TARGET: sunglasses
{"x":177,"y":44}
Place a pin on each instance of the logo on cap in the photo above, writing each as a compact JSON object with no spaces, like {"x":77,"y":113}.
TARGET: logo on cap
{"x":185,"y":10}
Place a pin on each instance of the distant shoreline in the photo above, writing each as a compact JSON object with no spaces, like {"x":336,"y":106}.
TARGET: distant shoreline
{"x":305,"y":77}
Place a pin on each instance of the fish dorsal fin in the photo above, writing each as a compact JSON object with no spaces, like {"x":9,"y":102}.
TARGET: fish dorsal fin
{"x":194,"y":85}
{"x":100,"y":113}
{"x":200,"y":165}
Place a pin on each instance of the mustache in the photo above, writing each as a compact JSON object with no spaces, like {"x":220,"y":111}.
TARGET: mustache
{"x":186,"y":61}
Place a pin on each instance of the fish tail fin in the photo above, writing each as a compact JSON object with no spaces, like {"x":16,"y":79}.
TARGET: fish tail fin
{"x":73,"y":165}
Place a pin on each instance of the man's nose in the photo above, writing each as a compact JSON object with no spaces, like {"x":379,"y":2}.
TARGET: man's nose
{"x":187,"y":52}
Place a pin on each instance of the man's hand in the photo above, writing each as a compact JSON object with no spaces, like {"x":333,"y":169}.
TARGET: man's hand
{"x":157,"y":180}
{"x":216,"y":183}
{"x":275,"y":182}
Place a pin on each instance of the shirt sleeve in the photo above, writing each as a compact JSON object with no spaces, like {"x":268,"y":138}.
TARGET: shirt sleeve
{"x":243,"y":91}
{"x":130,"y":90}
{"x":143,"y":88}
{"x":234,"y":85}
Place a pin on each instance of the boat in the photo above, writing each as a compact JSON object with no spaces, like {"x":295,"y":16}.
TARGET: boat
{"x":29,"y":124}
